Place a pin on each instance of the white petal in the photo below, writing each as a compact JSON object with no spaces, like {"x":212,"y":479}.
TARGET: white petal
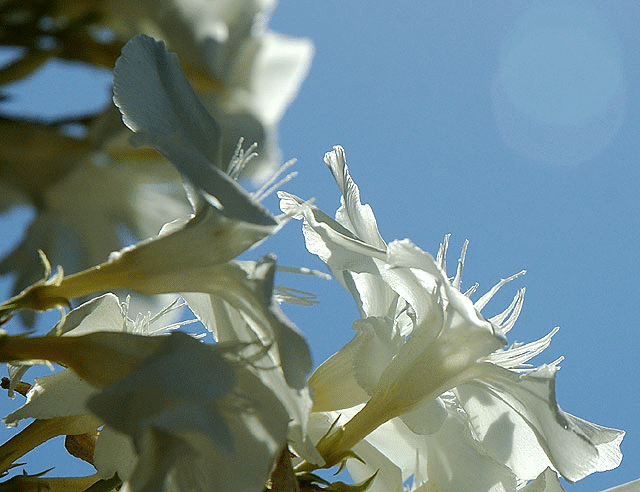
{"x":230,"y":327}
{"x":278,"y":64}
{"x":61,"y":394}
{"x":158,"y":102}
{"x":176,"y":449}
{"x":356,"y":264}
{"x":424,"y":368}
{"x":334,"y":384}
{"x":547,"y":481}
{"x":450,"y":460}
{"x":267,"y":323}
{"x":184,"y":259}
{"x":102,"y":313}
{"x":535,"y":433}
{"x":160,"y":106}
{"x":350,"y":376}
{"x":352,"y":214}
{"x":183,"y":372}
{"x":427,"y":418}
{"x":382,"y":345}
{"x":349,"y":244}
{"x":216,"y":317}
{"x":388,"y":475}
{"x":114,"y":453}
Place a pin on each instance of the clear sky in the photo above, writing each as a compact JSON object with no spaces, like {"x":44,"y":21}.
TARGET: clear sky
{"x":514,"y":126}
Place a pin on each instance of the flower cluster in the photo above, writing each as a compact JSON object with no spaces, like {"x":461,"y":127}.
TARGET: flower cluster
{"x":426,"y":396}
{"x":245,"y":76}
{"x":426,"y":391}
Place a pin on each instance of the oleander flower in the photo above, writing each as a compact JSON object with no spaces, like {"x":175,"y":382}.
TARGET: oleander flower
{"x":178,"y":414}
{"x":246,"y":74}
{"x":160,"y":106}
{"x":189,"y":255}
{"x":61,"y":397}
{"x":114,"y":199}
{"x":194,"y":253}
{"x":445,"y":459}
{"x":229,"y":325}
{"x":420,"y":338}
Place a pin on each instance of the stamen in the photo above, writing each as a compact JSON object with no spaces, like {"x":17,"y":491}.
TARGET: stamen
{"x":303,"y":271}
{"x":142,"y":323}
{"x":284,"y":180}
{"x":269,"y":187}
{"x":294,"y":296}
{"x":241,"y":158}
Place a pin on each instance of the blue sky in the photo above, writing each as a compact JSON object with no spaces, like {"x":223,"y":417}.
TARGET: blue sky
{"x":513,"y":126}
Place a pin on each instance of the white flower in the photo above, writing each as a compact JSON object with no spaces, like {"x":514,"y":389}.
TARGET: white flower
{"x":447,"y":459}
{"x":504,"y":393}
{"x":246,"y":74}
{"x":195,"y":419}
{"x":114,"y":199}
{"x":190,"y":255}
{"x":179,"y":414}
{"x":158,"y":104}
{"x":230,"y":326}
{"x":420,"y":337}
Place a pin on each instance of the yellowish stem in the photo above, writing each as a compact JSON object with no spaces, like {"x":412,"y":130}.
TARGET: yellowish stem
{"x":40,"y":431}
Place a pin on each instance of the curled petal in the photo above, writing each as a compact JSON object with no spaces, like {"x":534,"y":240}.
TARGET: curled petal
{"x":160,"y":106}
{"x":353,"y":261}
{"x":352,"y":214}
{"x":535,"y":433}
